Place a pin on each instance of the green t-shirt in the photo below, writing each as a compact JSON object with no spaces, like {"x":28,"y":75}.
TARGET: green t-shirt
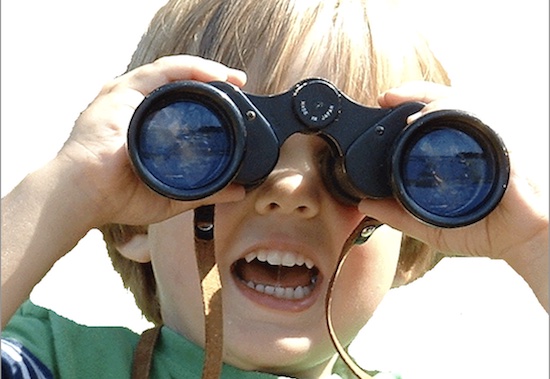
{"x":71,"y":350}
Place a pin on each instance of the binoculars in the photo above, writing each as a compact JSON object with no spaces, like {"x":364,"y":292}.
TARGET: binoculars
{"x":188,"y":140}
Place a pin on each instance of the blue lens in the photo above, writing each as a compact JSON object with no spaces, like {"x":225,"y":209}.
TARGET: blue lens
{"x":185,"y":145}
{"x":447,"y":173}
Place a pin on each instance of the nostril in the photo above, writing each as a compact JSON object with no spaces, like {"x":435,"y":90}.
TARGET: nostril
{"x":276,"y":207}
{"x":273,"y":206}
{"x":287,"y":193}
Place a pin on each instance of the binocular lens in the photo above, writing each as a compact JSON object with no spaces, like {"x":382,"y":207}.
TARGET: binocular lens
{"x":447,"y":173}
{"x":450,"y":173}
{"x":185,"y":145}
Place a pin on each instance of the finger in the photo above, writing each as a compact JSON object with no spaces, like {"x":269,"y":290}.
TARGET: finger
{"x":390,"y":212}
{"x":236,"y":77}
{"x":425,"y":92}
{"x":160,"y":207}
{"x":229,"y":194}
{"x":430,"y":107}
{"x":168,"y":69}
{"x":387,"y":211}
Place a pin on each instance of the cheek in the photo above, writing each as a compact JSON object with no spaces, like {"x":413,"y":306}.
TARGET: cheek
{"x":365,"y":278}
{"x":173,"y":260}
{"x":171,"y":244}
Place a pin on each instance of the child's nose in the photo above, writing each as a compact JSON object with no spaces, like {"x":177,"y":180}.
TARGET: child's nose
{"x":295,"y":185}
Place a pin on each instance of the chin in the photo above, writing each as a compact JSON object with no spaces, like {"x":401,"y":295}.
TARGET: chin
{"x":264,"y":350}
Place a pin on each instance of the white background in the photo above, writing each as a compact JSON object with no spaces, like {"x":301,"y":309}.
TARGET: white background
{"x":470,"y":318}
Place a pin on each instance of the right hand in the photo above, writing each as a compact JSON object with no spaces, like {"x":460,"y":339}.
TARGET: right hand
{"x":96,"y":149}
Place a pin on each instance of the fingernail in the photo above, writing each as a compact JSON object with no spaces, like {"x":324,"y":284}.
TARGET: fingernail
{"x":415,"y":116}
{"x":239,"y":75}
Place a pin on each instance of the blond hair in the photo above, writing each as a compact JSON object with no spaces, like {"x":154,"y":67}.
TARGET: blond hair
{"x":363,"y":46}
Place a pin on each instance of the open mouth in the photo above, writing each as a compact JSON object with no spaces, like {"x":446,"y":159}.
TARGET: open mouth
{"x":278,"y":274}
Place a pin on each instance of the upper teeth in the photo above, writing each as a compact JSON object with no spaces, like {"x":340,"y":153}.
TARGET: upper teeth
{"x":279,"y":258}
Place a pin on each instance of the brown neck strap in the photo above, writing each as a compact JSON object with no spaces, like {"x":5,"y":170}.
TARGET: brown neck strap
{"x":212,"y":302}
{"x":365,"y":228}
{"x":211,"y":287}
{"x":212,"y":305}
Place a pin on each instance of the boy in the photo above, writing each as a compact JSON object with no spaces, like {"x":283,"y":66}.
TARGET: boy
{"x":276,"y":44}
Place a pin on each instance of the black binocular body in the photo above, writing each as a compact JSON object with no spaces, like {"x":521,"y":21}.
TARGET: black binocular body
{"x":188,"y":140}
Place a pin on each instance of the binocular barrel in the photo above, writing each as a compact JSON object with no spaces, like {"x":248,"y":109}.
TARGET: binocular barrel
{"x":188,"y":140}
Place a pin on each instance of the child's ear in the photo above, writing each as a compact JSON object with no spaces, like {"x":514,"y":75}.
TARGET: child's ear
{"x":136,"y":249}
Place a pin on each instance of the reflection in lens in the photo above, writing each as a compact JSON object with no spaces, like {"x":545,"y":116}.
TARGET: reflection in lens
{"x":447,"y":173}
{"x":185,"y":145}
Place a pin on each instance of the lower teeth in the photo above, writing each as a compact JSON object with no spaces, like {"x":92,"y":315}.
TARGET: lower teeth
{"x":290,"y":293}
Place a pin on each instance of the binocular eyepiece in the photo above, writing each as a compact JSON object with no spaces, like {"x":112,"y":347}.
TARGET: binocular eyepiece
{"x":188,"y":140}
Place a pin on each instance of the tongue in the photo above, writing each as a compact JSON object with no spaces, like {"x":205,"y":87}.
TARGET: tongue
{"x":277,"y":276}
